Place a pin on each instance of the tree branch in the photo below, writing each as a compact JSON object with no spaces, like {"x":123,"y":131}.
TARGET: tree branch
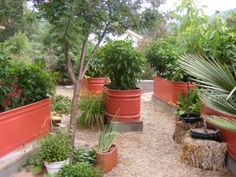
{"x":94,"y":50}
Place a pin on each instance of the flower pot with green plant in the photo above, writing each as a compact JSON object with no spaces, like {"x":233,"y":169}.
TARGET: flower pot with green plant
{"x":124,"y":66}
{"x":55,"y":150}
{"x":189,"y":107}
{"x":170,"y":80}
{"x":107,"y":155}
{"x":95,"y":75}
{"x":24,"y":102}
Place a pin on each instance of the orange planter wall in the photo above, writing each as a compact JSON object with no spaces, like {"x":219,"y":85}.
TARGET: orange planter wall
{"x":228,"y":137}
{"x":168,"y":91}
{"x":124,"y":105}
{"x":93,"y":85}
{"x":23,"y":125}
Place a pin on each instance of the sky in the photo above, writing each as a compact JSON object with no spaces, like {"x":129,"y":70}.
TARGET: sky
{"x":212,"y":5}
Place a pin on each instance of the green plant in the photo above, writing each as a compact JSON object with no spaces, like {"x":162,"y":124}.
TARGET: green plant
{"x":61,"y":104}
{"x":189,"y":102}
{"x":91,"y":111}
{"x":123,"y":64}
{"x":85,"y":155}
{"x":106,"y":138}
{"x":22,"y":83}
{"x":162,"y":55}
{"x":80,"y":170}
{"x":96,"y":67}
{"x":55,"y":147}
{"x":217,"y":84}
{"x":34,"y":163}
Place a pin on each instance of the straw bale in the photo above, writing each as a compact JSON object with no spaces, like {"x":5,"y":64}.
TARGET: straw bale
{"x":204,"y":154}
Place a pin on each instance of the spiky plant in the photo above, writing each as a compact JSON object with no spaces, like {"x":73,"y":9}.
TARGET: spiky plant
{"x":218,"y":86}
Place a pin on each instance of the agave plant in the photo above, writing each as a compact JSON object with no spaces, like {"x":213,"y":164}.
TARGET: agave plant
{"x":106,"y":138}
{"x":218,"y":86}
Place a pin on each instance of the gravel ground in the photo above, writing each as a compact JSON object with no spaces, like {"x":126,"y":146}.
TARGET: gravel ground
{"x":151,"y":153}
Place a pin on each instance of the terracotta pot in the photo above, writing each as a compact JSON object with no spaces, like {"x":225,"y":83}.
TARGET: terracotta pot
{"x":228,"y":136}
{"x":122,"y":105}
{"x":23,"y":125}
{"x":107,"y":160}
{"x":93,"y":85}
{"x":168,"y":91}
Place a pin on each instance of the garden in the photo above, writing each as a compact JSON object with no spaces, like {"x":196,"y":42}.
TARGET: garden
{"x":88,"y":102}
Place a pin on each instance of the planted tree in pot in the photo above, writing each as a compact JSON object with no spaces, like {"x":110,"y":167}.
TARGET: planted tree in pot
{"x":95,"y":75}
{"x":170,"y":81}
{"x":123,"y":65}
{"x":107,"y":155}
{"x":55,"y":150}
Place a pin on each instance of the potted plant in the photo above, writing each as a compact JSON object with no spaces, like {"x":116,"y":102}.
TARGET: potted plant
{"x":55,"y":150}
{"x":123,"y":65}
{"x":95,"y":75}
{"x":106,"y":154}
{"x":189,"y":107}
{"x":170,"y":81}
{"x":24,"y":102}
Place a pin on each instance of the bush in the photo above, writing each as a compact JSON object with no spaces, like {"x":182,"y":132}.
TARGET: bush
{"x":61,"y":104}
{"x":189,"y":103}
{"x":22,"y":83}
{"x":96,"y":67}
{"x":80,"y":170}
{"x":55,"y":147}
{"x":85,"y":155}
{"x":91,"y":111}
{"x":123,"y":64}
{"x":162,"y":55}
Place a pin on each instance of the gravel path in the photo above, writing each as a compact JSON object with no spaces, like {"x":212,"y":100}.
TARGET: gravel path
{"x":151,"y":153}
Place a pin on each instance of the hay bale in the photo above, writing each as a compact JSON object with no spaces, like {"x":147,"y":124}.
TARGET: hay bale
{"x":204,"y":154}
{"x":181,"y":128}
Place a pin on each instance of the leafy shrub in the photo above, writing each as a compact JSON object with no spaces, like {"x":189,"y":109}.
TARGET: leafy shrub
{"x":80,"y":170}
{"x":123,"y":64}
{"x":96,"y":67}
{"x":106,"y":138}
{"x":22,"y":83}
{"x":55,"y":147}
{"x":189,"y":103}
{"x":91,"y":111}
{"x":162,"y":56}
{"x":85,"y":155}
{"x":61,"y":104}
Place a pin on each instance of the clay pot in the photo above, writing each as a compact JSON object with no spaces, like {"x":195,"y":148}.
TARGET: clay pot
{"x":168,"y":91}
{"x":122,"y":105}
{"x":107,"y":160}
{"x":93,"y":85}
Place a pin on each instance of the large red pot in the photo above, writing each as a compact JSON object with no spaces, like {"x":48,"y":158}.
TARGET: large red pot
{"x":23,"y":125}
{"x":107,"y":160}
{"x":122,"y":105}
{"x":228,"y":136}
{"x":93,"y":85}
{"x":168,"y":91}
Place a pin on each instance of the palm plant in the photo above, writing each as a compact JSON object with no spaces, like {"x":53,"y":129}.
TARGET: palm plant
{"x":218,"y":86}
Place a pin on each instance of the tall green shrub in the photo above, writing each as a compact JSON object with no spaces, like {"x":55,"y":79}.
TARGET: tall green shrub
{"x":123,"y":63}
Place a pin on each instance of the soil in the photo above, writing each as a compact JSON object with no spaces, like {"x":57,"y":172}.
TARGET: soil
{"x":151,"y":153}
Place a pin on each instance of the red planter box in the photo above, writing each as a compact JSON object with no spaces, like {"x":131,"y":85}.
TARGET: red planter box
{"x":93,"y":85}
{"x":228,"y":136}
{"x":168,"y":91}
{"x":122,"y":105}
{"x":23,"y":125}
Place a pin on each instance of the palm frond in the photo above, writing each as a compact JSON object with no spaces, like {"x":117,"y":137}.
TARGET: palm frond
{"x":222,"y":122}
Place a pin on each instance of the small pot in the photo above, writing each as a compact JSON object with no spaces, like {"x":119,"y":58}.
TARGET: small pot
{"x":213,"y":134}
{"x":190,"y":117}
{"x":107,"y":160}
{"x":54,"y":167}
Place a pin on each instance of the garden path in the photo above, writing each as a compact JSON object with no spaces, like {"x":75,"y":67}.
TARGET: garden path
{"x":151,"y":153}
